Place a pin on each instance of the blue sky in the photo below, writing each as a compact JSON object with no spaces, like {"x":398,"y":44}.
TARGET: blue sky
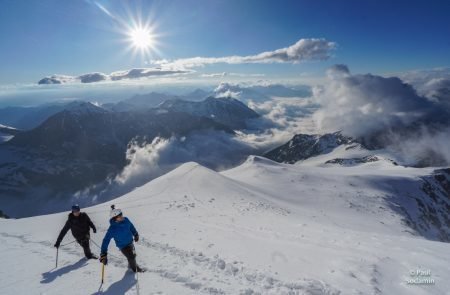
{"x":40,"y":38}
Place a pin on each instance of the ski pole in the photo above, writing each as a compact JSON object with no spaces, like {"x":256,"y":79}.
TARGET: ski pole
{"x":103,"y":272}
{"x":137,"y":282}
{"x":137,"y":275}
{"x":57,"y":251}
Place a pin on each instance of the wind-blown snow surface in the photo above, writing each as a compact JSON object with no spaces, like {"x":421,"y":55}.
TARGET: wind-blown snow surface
{"x":261,"y":227}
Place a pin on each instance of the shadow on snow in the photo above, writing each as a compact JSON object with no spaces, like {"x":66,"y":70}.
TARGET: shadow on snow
{"x":50,"y":276}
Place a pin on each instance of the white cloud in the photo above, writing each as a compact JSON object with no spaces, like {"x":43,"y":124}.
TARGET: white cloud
{"x":260,"y":91}
{"x":420,"y":77}
{"x":144,"y":72}
{"x":216,"y":150}
{"x":214,"y":75}
{"x":225,"y":74}
{"x":362,"y":104}
{"x":114,"y":76}
{"x":302,"y":50}
{"x":386,"y":112}
{"x":432,"y":83}
{"x":144,"y":162}
{"x":92,"y":77}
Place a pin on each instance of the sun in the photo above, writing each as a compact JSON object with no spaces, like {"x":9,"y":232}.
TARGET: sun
{"x":141,"y":38}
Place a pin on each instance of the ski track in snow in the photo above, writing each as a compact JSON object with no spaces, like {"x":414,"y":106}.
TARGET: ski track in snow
{"x":188,"y":269}
{"x":224,"y":272}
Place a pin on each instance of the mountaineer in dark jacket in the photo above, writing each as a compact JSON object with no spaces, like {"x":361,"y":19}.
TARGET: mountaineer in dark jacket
{"x":123,"y":232}
{"x":79,"y":223}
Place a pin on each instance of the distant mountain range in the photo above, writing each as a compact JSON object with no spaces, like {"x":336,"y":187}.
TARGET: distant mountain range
{"x":26,"y":118}
{"x":260,"y":93}
{"x":85,"y":144}
{"x":228,"y":111}
{"x":152,"y":100}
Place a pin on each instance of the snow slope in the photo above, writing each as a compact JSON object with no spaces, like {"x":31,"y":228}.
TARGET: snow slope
{"x":262,"y":227}
{"x":6,"y":133}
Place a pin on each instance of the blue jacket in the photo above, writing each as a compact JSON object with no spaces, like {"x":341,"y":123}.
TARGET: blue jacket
{"x":122,"y":232}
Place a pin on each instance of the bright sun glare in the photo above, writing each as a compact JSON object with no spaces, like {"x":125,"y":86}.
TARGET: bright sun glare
{"x":141,"y":38}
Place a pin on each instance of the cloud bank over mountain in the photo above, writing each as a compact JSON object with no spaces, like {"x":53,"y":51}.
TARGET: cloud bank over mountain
{"x":433,"y":83}
{"x":385,"y":111}
{"x":114,"y":76}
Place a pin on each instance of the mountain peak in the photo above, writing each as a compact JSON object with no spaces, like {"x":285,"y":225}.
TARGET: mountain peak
{"x":83,"y":107}
{"x":304,"y":146}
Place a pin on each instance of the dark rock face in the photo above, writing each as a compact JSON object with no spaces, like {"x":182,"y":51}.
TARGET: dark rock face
{"x":356,"y":161}
{"x":353,"y":161}
{"x":434,"y":207}
{"x":304,"y":146}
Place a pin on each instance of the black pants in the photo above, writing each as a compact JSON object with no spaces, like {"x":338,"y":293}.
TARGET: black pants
{"x":130,"y":254}
{"x":86,"y":248}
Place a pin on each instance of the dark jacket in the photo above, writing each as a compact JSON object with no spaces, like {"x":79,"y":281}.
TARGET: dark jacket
{"x":122,"y":232}
{"x":78,"y":225}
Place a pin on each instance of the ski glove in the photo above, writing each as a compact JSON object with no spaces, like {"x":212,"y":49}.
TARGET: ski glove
{"x":104,"y":258}
{"x":57,"y":244}
{"x":94,"y":230}
{"x":136,"y":238}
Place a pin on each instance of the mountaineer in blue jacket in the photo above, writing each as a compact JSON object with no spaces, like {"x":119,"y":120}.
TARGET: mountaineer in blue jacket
{"x":123,"y":232}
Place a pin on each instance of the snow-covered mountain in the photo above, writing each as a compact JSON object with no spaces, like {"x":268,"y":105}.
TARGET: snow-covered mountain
{"x":430,"y":206}
{"x":304,"y":146}
{"x":228,"y":111}
{"x":260,"y":228}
